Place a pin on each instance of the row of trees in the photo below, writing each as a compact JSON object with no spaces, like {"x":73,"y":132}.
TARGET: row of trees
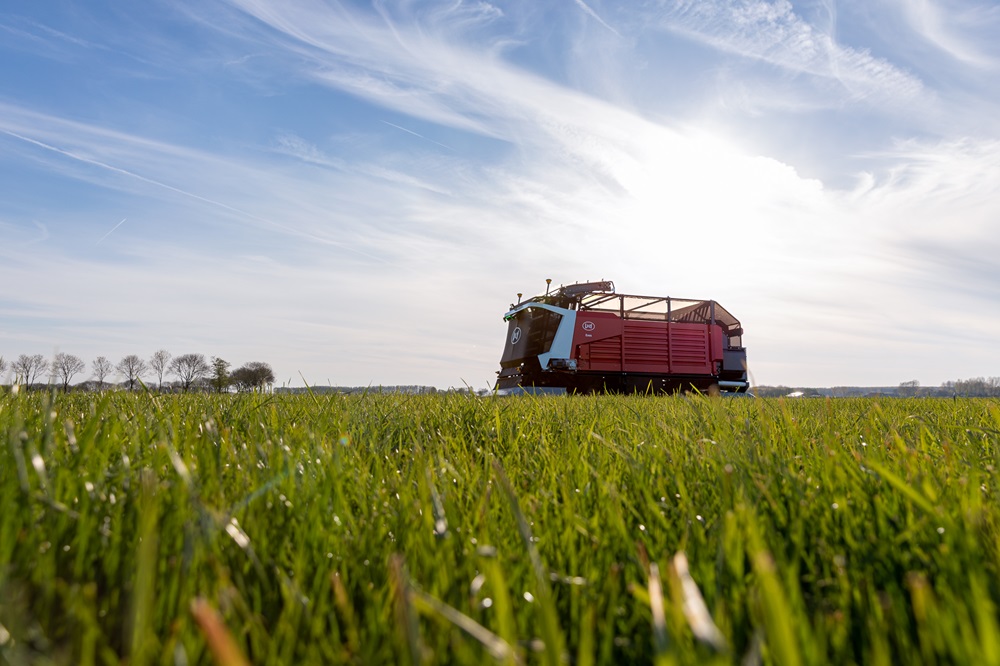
{"x":190,"y":370}
{"x":977,"y":387}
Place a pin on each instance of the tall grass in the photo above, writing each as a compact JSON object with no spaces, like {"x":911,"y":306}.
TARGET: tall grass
{"x":453,"y":529}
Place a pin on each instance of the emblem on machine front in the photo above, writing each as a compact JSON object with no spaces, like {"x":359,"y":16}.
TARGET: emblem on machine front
{"x":515,"y":335}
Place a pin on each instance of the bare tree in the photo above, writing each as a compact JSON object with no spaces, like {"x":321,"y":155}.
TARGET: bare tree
{"x":27,"y":368}
{"x":189,"y":368}
{"x":979,"y":387}
{"x":102,"y":368}
{"x":64,"y":366}
{"x":159,"y":362}
{"x":133,"y":368}
{"x":252,"y":376}
{"x":3,"y":365}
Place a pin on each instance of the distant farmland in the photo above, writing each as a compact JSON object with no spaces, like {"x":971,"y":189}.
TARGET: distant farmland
{"x":433,"y":529}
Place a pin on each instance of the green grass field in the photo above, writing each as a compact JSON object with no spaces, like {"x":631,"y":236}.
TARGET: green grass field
{"x":385,"y":529}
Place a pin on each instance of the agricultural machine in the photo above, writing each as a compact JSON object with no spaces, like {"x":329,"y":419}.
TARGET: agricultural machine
{"x":585,"y":338}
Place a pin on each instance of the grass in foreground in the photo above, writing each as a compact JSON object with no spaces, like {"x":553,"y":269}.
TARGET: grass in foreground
{"x":454,"y":529}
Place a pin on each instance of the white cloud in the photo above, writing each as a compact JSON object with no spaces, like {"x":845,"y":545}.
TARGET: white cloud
{"x":965,"y":31}
{"x":774,"y":33}
{"x":589,"y":11}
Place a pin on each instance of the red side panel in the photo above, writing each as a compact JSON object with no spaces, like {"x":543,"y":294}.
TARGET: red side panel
{"x":716,"y":333}
{"x":646,"y":347}
{"x":597,"y":342}
{"x":689,"y":349}
{"x":605,"y":343}
{"x":606,"y":355}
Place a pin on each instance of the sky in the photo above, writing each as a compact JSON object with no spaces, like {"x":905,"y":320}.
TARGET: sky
{"x":354,"y":192}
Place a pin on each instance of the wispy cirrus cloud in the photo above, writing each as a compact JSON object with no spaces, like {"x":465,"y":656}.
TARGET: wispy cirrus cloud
{"x":963,"y":30}
{"x":175,"y":177}
{"x":589,"y":11}
{"x":773,"y":32}
{"x":44,"y":39}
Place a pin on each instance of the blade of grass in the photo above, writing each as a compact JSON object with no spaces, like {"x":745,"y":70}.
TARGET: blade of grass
{"x":695,"y":610}
{"x":220,"y":642}
{"x":552,"y":635}
{"x":498,"y":648}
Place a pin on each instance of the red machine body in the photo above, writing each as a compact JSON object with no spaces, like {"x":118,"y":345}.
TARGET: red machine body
{"x":586,"y":338}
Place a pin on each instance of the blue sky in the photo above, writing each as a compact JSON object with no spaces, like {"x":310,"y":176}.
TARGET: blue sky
{"x":354,"y":192}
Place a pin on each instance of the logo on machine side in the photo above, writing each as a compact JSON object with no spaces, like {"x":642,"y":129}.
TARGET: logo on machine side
{"x":588,"y":325}
{"x":515,"y":335}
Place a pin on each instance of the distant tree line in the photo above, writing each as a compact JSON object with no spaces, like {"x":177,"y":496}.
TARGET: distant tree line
{"x":191,"y":372}
{"x":977,"y":387}
{"x":411,"y":389}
